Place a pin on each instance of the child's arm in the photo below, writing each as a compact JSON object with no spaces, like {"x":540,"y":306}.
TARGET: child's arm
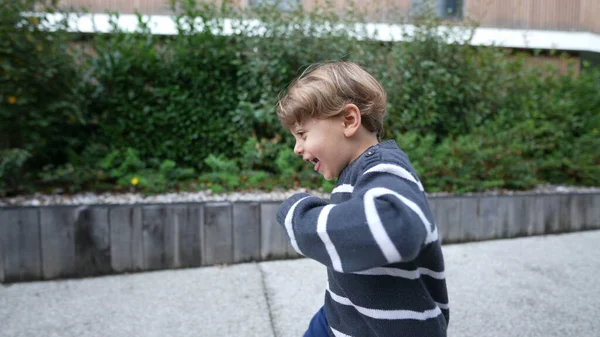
{"x":387,"y":220}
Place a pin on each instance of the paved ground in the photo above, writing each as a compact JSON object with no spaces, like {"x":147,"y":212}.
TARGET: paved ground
{"x":541,"y":286}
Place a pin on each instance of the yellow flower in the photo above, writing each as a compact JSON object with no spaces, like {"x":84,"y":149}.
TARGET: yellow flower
{"x":135,"y":181}
{"x":39,"y":47}
{"x":12,"y":99}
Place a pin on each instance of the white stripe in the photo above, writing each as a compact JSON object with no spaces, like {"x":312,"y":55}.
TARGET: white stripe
{"x":345,"y":188}
{"x":381,"y":236}
{"x":337,"y":333}
{"x":290,"y":228}
{"x":443,"y":306}
{"x":440,"y":275}
{"x":379,"y":233}
{"x":387,"y":314}
{"x":408,"y":274}
{"x":403,"y":273}
{"x":397,"y":170}
{"x":322,"y":231}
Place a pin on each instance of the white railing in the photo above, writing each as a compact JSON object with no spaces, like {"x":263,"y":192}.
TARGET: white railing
{"x":508,"y":38}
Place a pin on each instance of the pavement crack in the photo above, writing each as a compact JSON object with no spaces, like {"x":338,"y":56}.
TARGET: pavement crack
{"x":267,"y":298}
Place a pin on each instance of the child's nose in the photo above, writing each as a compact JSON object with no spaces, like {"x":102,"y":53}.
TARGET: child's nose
{"x":298,"y":149}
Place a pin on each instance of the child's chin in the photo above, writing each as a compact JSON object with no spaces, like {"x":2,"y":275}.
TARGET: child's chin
{"x":327,"y":177}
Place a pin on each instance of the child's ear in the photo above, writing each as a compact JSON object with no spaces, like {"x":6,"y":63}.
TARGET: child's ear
{"x":352,"y":120}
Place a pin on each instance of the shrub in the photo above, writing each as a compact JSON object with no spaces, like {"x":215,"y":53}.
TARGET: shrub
{"x":40,"y":102}
{"x":137,"y":111}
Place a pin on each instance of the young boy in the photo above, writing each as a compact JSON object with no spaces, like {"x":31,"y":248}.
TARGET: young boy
{"x":377,"y":236}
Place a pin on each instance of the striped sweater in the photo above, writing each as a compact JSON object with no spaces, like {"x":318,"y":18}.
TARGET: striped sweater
{"x":378,"y":238}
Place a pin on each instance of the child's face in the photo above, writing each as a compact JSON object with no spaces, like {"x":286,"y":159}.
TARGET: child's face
{"x":322,"y":142}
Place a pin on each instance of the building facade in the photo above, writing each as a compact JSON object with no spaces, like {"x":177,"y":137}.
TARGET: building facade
{"x":571,"y":26}
{"x":558,"y":15}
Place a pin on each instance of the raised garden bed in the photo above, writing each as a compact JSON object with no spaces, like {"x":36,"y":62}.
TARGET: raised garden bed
{"x":51,"y":242}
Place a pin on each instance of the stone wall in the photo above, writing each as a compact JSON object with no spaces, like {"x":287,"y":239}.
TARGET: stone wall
{"x":52,"y":242}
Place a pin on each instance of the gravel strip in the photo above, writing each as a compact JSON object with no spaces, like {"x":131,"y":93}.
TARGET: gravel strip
{"x":207,"y":195}
{"x":139,"y":198}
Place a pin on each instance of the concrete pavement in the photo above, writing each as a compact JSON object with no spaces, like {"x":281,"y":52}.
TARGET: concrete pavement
{"x":539,"y":286}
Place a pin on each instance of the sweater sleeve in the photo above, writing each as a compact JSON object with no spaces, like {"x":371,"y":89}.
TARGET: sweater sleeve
{"x":386,"y":220}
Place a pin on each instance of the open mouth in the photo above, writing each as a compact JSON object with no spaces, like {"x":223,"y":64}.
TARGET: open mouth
{"x":317,"y":164}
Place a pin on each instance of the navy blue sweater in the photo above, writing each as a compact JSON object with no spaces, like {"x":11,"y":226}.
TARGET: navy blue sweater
{"x":378,"y":238}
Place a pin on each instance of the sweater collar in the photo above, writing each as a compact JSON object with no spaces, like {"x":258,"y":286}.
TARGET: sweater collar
{"x":388,"y":144}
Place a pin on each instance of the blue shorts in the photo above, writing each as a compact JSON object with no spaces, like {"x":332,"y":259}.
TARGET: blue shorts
{"x":318,"y":326}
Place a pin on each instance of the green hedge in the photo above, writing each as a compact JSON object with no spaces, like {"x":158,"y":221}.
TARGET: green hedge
{"x":196,"y":110}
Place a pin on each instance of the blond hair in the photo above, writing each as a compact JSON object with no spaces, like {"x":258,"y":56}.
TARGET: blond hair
{"x":324,"y":89}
